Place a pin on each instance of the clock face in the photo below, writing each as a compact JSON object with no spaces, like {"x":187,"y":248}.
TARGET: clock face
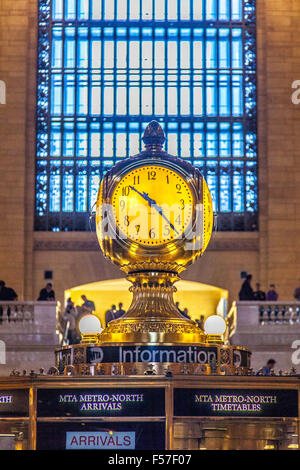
{"x":153,"y":205}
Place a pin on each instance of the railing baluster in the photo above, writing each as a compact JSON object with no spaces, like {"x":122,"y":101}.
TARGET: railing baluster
{"x":283,"y":312}
{"x":269,"y":311}
{"x":276,"y":310}
{"x":261,"y":314}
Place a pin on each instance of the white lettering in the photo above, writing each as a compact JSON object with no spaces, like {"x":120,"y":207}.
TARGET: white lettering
{"x":130,"y":353}
{"x":296,"y":354}
{"x":202,"y":357}
{"x":6,"y":399}
{"x":168,"y":355}
{"x":295,"y":95}
{"x":2,"y":92}
{"x":146,"y":356}
{"x":2,"y":352}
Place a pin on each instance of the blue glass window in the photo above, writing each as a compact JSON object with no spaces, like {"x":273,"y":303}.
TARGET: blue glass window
{"x":106,"y":68}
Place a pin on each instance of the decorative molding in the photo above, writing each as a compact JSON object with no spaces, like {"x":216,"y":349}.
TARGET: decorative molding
{"x":66,"y":245}
{"x":243,"y":244}
{"x":234,"y":244}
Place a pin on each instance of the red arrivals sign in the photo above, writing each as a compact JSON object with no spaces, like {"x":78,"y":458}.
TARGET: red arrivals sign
{"x":100,"y":440}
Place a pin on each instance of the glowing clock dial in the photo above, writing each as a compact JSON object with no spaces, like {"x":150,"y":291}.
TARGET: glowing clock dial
{"x":153,"y":205}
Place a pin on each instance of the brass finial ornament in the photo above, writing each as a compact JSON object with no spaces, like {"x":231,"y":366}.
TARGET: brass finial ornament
{"x":154,"y":217}
{"x":154,"y":137}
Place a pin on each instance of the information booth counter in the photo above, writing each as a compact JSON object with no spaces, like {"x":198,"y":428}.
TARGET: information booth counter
{"x":149,"y":412}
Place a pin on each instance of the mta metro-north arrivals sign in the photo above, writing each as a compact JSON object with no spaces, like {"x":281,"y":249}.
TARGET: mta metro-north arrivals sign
{"x":101,"y":402}
{"x":235,"y":402}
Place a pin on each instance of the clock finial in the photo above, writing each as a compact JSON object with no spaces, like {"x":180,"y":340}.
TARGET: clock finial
{"x":154,"y":137}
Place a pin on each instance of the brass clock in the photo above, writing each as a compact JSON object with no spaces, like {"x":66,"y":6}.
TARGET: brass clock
{"x":154,"y":217}
{"x":154,"y":210}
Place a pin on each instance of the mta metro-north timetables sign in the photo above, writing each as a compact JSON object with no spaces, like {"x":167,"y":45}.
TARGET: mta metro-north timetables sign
{"x":235,"y":402}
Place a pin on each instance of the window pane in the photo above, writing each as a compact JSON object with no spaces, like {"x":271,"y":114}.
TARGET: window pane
{"x":108,"y":67}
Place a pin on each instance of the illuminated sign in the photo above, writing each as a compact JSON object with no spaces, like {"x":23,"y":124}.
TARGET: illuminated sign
{"x":100,"y":440}
{"x":156,"y":353}
{"x":14,"y":403}
{"x":233,"y":402}
{"x":181,"y":354}
{"x":99,"y":434}
{"x":98,"y":402}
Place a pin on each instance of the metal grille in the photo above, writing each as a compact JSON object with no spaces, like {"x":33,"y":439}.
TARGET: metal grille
{"x":106,"y":68}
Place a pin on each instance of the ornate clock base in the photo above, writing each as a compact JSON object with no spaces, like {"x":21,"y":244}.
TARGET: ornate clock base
{"x":153,"y":316}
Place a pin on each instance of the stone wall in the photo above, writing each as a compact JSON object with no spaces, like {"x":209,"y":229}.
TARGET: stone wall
{"x":14,"y":71}
{"x":272,"y":255}
{"x":279,"y":163}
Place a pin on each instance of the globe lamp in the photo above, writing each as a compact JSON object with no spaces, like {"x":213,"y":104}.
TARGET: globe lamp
{"x":90,"y":329}
{"x":214,"y":328}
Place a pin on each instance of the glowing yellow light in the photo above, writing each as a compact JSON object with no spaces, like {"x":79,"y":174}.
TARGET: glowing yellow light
{"x":293,"y":446}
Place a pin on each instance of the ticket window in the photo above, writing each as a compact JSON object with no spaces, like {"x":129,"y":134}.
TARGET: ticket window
{"x":236,"y":434}
{"x":13,"y":435}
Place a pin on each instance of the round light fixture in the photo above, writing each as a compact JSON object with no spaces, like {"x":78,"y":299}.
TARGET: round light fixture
{"x":90,"y":325}
{"x":214,"y":325}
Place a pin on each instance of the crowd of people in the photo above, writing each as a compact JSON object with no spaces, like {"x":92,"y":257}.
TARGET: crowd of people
{"x":113,"y":313}
{"x":248,"y":293}
{"x":72,"y":315}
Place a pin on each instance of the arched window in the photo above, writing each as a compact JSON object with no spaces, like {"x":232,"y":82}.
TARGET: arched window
{"x":106,"y":68}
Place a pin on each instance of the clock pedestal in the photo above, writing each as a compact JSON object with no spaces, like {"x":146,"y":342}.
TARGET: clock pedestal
{"x":152,"y":316}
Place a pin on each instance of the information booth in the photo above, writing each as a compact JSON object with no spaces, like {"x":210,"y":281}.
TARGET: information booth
{"x":150,"y":412}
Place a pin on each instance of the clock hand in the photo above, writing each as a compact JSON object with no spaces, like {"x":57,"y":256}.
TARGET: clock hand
{"x":153,"y":203}
{"x":160,"y":211}
{"x":141,"y":194}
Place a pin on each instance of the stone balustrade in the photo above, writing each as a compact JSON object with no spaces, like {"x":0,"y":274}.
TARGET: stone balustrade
{"x":263,"y":313}
{"x":268,"y":329}
{"x":279,"y":312}
{"x":30,"y":332}
{"x":16,"y":312}
{"x":28,"y":316}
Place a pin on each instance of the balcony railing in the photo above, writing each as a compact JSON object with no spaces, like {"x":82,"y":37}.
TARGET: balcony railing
{"x":245,"y":314}
{"x":17,"y":317}
{"x":16,"y":312}
{"x":279,"y":312}
{"x":29,"y":335}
